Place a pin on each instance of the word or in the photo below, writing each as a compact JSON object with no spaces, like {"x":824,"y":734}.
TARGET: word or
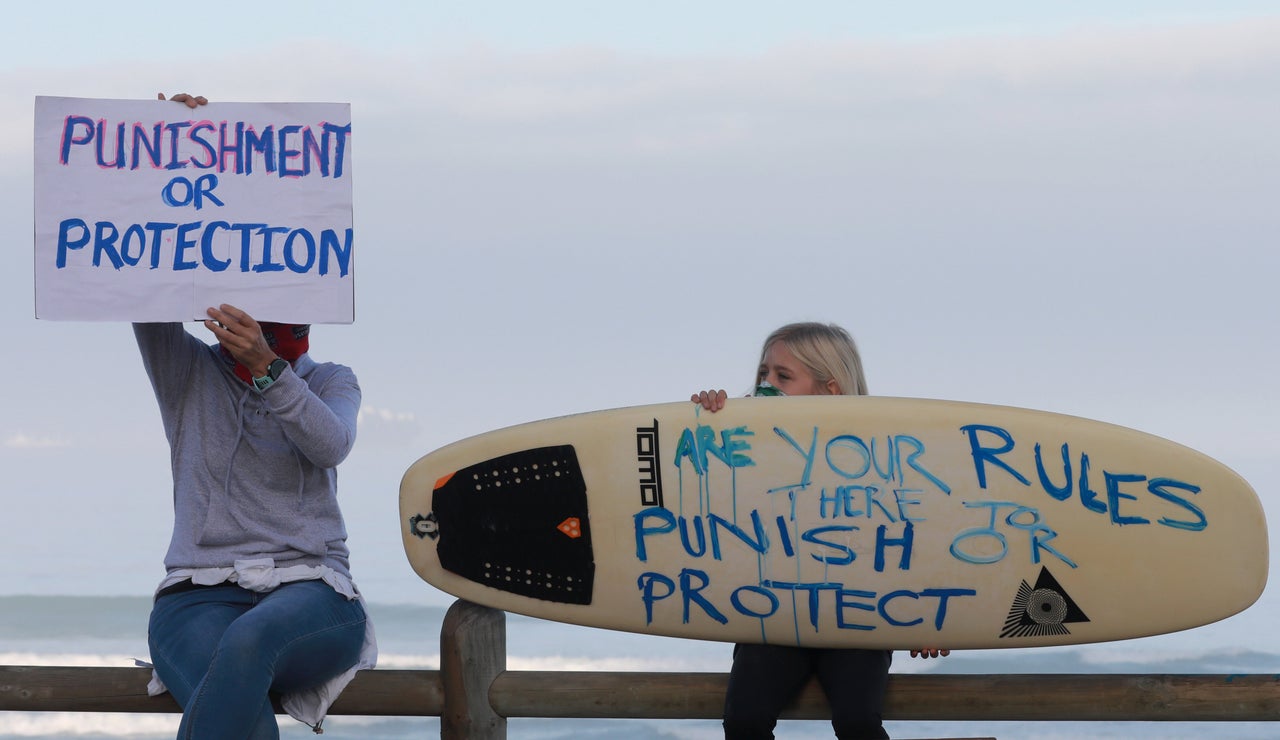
{"x":1022,"y":518}
{"x":286,"y":151}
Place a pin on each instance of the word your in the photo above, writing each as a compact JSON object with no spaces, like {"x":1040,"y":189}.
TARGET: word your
{"x":991,"y":444}
{"x":846,"y":455}
{"x":216,"y":246}
{"x":286,"y":151}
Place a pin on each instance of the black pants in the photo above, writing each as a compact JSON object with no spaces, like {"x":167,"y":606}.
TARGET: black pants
{"x":765,"y":678}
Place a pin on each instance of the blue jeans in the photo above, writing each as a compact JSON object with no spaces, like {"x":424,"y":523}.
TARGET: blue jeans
{"x":220,"y":649}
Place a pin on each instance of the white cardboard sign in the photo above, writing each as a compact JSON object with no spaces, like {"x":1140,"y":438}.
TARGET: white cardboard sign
{"x":147,"y":210}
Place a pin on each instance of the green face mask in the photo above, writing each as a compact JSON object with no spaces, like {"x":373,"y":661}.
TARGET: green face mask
{"x":765,"y":389}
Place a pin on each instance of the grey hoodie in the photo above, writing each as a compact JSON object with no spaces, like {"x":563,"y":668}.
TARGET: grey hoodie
{"x":254,"y":474}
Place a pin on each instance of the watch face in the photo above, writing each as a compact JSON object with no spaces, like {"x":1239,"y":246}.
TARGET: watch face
{"x":276,"y":367}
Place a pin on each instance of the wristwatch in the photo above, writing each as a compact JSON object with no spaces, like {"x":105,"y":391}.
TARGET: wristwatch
{"x":276,"y":367}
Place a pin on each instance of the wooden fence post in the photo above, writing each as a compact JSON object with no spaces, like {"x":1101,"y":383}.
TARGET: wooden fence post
{"x":473,"y":652}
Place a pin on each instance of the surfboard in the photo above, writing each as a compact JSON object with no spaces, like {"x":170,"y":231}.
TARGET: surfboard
{"x":839,"y":521}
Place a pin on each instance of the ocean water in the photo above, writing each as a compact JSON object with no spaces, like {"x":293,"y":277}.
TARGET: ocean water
{"x":111,"y":631}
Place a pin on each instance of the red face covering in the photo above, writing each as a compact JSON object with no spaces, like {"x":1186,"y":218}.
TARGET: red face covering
{"x":289,"y":341}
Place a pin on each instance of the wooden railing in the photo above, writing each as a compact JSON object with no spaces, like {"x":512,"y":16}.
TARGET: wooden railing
{"x":473,"y":694}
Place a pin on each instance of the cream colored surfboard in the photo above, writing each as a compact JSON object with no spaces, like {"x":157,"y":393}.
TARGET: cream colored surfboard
{"x":839,"y":521}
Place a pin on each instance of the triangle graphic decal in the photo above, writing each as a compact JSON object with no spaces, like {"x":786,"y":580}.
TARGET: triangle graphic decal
{"x":1043,"y":609}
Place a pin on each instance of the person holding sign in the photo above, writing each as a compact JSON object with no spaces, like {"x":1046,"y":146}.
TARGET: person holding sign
{"x":258,"y":597}
{"x":806,"y":359}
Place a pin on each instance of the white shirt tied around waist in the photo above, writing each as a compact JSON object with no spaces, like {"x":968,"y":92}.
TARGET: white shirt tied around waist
{"x":261,"y":575}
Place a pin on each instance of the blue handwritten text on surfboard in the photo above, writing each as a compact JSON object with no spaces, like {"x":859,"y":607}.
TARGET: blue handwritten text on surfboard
{"x":656,"y":523}
{"x":865,"y":500}
{"x":991,"y":446}
{"x":837,"y":476}
{"x":697,"y":443}
{"x":846,"y":455}
{"x":691,"y":583}
{"x":1038,"y":533}
{"x":852,"y":458}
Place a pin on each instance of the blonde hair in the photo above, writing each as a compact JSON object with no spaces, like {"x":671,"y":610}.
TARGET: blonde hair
{"x":827,"y":351}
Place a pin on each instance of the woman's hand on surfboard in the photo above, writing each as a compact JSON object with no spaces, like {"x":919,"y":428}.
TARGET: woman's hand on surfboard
{"x":710,"y":400}
{"x":927,"y":653}
{"x":191,"y":100}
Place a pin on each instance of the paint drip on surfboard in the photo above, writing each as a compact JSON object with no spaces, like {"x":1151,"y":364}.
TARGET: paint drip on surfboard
{"x":839,"y":521}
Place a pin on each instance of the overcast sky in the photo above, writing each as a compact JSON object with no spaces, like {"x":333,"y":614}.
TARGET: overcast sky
{"x":569,"y":206}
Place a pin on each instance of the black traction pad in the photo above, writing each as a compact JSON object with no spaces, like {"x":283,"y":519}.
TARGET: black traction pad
{"x":519,"y":523}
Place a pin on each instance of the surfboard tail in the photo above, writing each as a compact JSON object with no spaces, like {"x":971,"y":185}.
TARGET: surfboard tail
{"x":519,"y":523}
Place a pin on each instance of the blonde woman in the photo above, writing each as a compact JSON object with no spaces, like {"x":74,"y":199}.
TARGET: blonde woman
{"x":806,"y":359}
